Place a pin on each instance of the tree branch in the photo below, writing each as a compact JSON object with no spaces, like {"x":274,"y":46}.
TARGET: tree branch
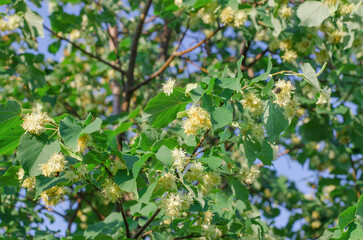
{"x":175,"y":54}
{"x":84,"y":51}
{"x":121,"y":207}
{"x":71,"y":220}
{"x":146,"y":224}
{"x":133,"y":55}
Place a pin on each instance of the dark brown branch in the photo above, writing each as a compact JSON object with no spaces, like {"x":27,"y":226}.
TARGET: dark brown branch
{"x":133,"y":55}
{"x":84,"y":51}
{"x":121,"y":207}
{"x":146,"y":224}
{"x":258,"y":57}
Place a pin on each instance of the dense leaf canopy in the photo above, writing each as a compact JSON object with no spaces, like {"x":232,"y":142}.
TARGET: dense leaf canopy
{"x":163,"y":119}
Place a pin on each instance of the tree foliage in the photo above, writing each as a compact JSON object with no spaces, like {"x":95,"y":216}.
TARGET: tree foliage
{"x":88,"y":118}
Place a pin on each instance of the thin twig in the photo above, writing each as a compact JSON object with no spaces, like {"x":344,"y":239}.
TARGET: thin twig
{"x":171,"y":58}
{"x":84,"y":51}
{"x":146,"y":224}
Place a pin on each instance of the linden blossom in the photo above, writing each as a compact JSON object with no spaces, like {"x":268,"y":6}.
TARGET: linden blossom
{"x":168,"y":86}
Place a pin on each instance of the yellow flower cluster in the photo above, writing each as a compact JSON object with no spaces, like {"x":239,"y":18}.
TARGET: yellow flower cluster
{"x":178,"y":155}
{"x":74,"y":35}
{"x":346,"y":8}
{"x":283,"y":90}
{"x":336,"y":36}
{"x":258,"y":132}
{"x":207,"y":13}
{"x":228,"y":15}
{"x":11,"y":24}
{"x":167,"y":182}
{"x":249,"y":175}
{"x":289,"y":56}
{"x":168,"y":86}
{"x":197,"y":119}
{"x":55,"y":164}
{"x":286,"y":12}
{"x":53,"y":196}
{"x":331,"y":3}
{"x":20,"y":174}
{"x":83,"y":143}
{"x":211,"y":232}
{"x":179,"y":3}
{"x":35,"y":122}
{"x":176,"y":203}
{"x":253,"y":104}
{"x":111,"y":191}
{"x":324,"y":97}
{"x":28,"y":183}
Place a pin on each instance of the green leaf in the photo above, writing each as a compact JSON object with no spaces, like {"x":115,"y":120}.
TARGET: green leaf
{"x":212,"y":162}
{"x":43,"y":183}
{"x":10,"y":133}
{"x":9,"y":110}
{"x":130,"y":160}
{"x":110,"y":225}
{"x":268,"y":87}
{"x":93,"y":127}
{"x":264,"y":75}
{"x":34,"y":150}
{"x":164,"y":155}
{"x":310,"y":75}
{"x":266,"y":155}
{"x":126,"y":181}
{"x":312,"y":13}
{"x":359,"y":210}
{"x":10,"y":177}
{"x":346,"y":217}
{"x":251,"y":149}
{"x":54,"y":47}
{"x":220,"y":117}
{"x":239,"y":71}
{"x":70,"y":131}
{"x":357,"y":134}
{"x":196,"y":93}
{"x":145,"y":196}
{"x":239,"y":190}
{"x":123,"y":127}
{"x":230,"y":83}
{"x":163,"y":109}
{"x":35,"y":23}
{"x":274,"y":120}
{"x":138,"y":165}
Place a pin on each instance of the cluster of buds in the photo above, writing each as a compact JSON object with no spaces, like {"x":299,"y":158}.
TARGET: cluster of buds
{"x":83,"y":143}
{"x":167,"y":182}
{"x":111,"y":191}
{"x":324,"y":97}
{"x":178,"y":155}
{"x":229,"y":16}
